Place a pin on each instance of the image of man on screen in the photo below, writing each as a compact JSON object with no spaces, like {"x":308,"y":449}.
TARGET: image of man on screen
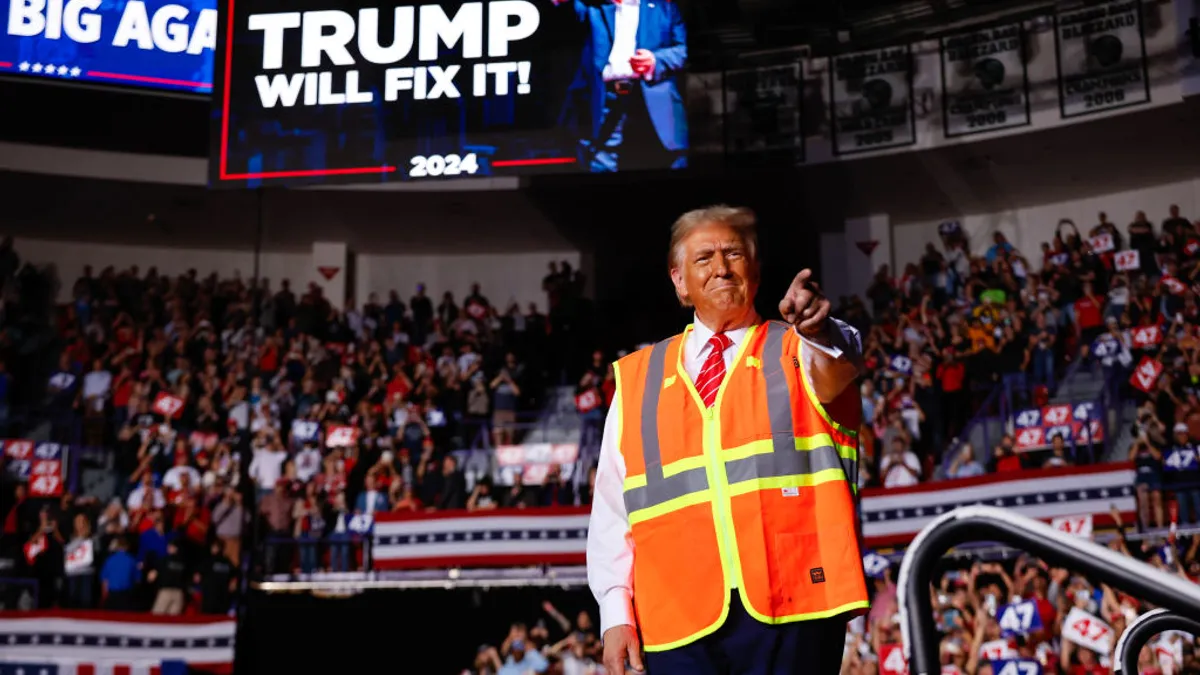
{"x":628,"y":85}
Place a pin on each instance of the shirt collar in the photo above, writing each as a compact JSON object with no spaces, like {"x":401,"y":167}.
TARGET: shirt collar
{"x":702,"y":334}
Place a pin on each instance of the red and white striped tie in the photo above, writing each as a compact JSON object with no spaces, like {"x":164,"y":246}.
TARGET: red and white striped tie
{"x":713,"y":371}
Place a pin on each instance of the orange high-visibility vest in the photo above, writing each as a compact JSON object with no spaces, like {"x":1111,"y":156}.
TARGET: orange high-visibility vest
{"x":756,"y":491}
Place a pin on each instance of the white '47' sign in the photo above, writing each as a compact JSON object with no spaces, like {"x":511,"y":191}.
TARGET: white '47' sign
{"x":1087,"y":630}
{"x":1080,"y":526}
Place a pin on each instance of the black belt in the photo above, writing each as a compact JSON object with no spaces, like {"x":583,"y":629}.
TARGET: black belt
{"x":620,"y":87}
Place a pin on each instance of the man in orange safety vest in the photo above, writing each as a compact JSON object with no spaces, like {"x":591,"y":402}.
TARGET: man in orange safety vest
{"x":723,"y":535}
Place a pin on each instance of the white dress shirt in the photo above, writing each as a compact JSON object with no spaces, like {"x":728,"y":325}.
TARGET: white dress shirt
{"x":625,"y":27}
{"x":610,"y":543}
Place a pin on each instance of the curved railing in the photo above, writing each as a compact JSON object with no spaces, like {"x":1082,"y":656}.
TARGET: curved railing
{"x":985,"y":523}
{"x":1140,"y":632}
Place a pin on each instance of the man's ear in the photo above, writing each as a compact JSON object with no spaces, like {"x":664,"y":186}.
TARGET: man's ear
{"x":680,"y":286}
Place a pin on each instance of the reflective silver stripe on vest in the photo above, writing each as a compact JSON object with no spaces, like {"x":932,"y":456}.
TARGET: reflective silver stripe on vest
{"x":658,"y":488}
{"x":785,"y":460}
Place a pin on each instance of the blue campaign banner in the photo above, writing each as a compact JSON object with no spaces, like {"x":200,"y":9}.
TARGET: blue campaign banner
{"x":155,"y":44}
{"x":1182,"y":459}
{"x":1029,"y":418}
{"x":1019,"y":618}
{"x":1016,"y":667}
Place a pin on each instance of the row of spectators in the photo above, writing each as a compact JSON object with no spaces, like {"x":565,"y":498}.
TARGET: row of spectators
{"x":553,"y":644}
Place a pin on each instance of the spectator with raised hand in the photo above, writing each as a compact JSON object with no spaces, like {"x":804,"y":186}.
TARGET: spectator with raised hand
{"x":900,"y":467}
{"x":481,"y":498}
{"x":371,"y":499}
{"x":964,"y":464}
{"x":506,"y":393}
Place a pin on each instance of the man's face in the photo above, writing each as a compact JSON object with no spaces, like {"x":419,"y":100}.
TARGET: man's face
{"x":715,"y":273}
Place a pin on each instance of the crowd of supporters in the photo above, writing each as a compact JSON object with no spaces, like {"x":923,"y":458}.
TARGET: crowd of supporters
{"x":553,"y":643}
{"x":1000,"y":608}
{"x":211,"y":392}
{"x":214,"y":399}
{"x":954,"y":326}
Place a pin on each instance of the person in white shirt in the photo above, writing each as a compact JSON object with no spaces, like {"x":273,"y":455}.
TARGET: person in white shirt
{"x":145,"y":495}
{"x":267,"y":467}
{"x":714,"y":268}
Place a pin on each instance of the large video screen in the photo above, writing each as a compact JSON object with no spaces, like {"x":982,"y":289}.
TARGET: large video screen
{"x":155,"y":44}
{"x":314,"y":91}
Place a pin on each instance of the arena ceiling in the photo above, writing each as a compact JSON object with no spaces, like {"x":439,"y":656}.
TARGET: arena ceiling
{"x":1125,"y":152}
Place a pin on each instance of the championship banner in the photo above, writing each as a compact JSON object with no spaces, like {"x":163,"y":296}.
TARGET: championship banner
{"x":985,"y":82}
{"x":893,"y":517}
{"x":323,"y":91}
{"x":115,"y":641}
{"x":762,"y":112}
{"x":509,"y":537}
{"x":1101,"y":58}
{"x":872,"y":100}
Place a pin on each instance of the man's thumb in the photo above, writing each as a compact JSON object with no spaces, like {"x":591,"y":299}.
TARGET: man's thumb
{"x":635,"y":656}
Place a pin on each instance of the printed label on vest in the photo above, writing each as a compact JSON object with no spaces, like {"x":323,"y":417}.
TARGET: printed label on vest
{"x":791,"y":492}
{"x":817,"y":574}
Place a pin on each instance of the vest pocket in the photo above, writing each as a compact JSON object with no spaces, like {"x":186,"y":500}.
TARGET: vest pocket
{"x":811,"y":569}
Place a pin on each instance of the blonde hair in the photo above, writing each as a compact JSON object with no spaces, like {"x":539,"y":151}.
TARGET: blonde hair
{"x":740,"y":219}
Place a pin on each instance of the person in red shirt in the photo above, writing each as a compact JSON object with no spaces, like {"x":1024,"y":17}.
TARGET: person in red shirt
{"x":1089,"y":315}
{"x":1005,"y":458}
{"x":951,"y":375}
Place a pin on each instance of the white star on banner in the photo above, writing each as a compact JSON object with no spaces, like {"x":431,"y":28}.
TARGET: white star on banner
{"x":63,"y":70}
{"x":24,"y":66}
{"x":37,"y":67}
{"x":49,"y":69}
{"x":75,"y":71}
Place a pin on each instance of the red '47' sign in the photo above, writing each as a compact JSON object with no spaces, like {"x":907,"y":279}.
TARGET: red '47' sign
{"x":1146,"y":374}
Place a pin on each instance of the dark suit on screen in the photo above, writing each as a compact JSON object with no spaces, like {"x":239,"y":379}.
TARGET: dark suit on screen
{"x":654,"y":105}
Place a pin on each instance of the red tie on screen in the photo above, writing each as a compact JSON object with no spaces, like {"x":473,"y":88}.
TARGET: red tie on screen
{"x":713,"y":371}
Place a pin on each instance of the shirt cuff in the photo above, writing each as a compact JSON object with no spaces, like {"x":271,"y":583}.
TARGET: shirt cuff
{"x":616,"y":609}
{"x":836,"y":348}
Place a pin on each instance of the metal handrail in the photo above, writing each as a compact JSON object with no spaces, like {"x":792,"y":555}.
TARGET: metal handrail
{"x":986,"y":523}
{"x":1138,"y":633}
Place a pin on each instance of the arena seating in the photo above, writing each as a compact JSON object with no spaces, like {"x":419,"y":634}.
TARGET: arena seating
{"x":161,"y":403}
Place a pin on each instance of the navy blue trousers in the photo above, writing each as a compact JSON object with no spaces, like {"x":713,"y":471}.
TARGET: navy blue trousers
{"x":744,"y":645}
